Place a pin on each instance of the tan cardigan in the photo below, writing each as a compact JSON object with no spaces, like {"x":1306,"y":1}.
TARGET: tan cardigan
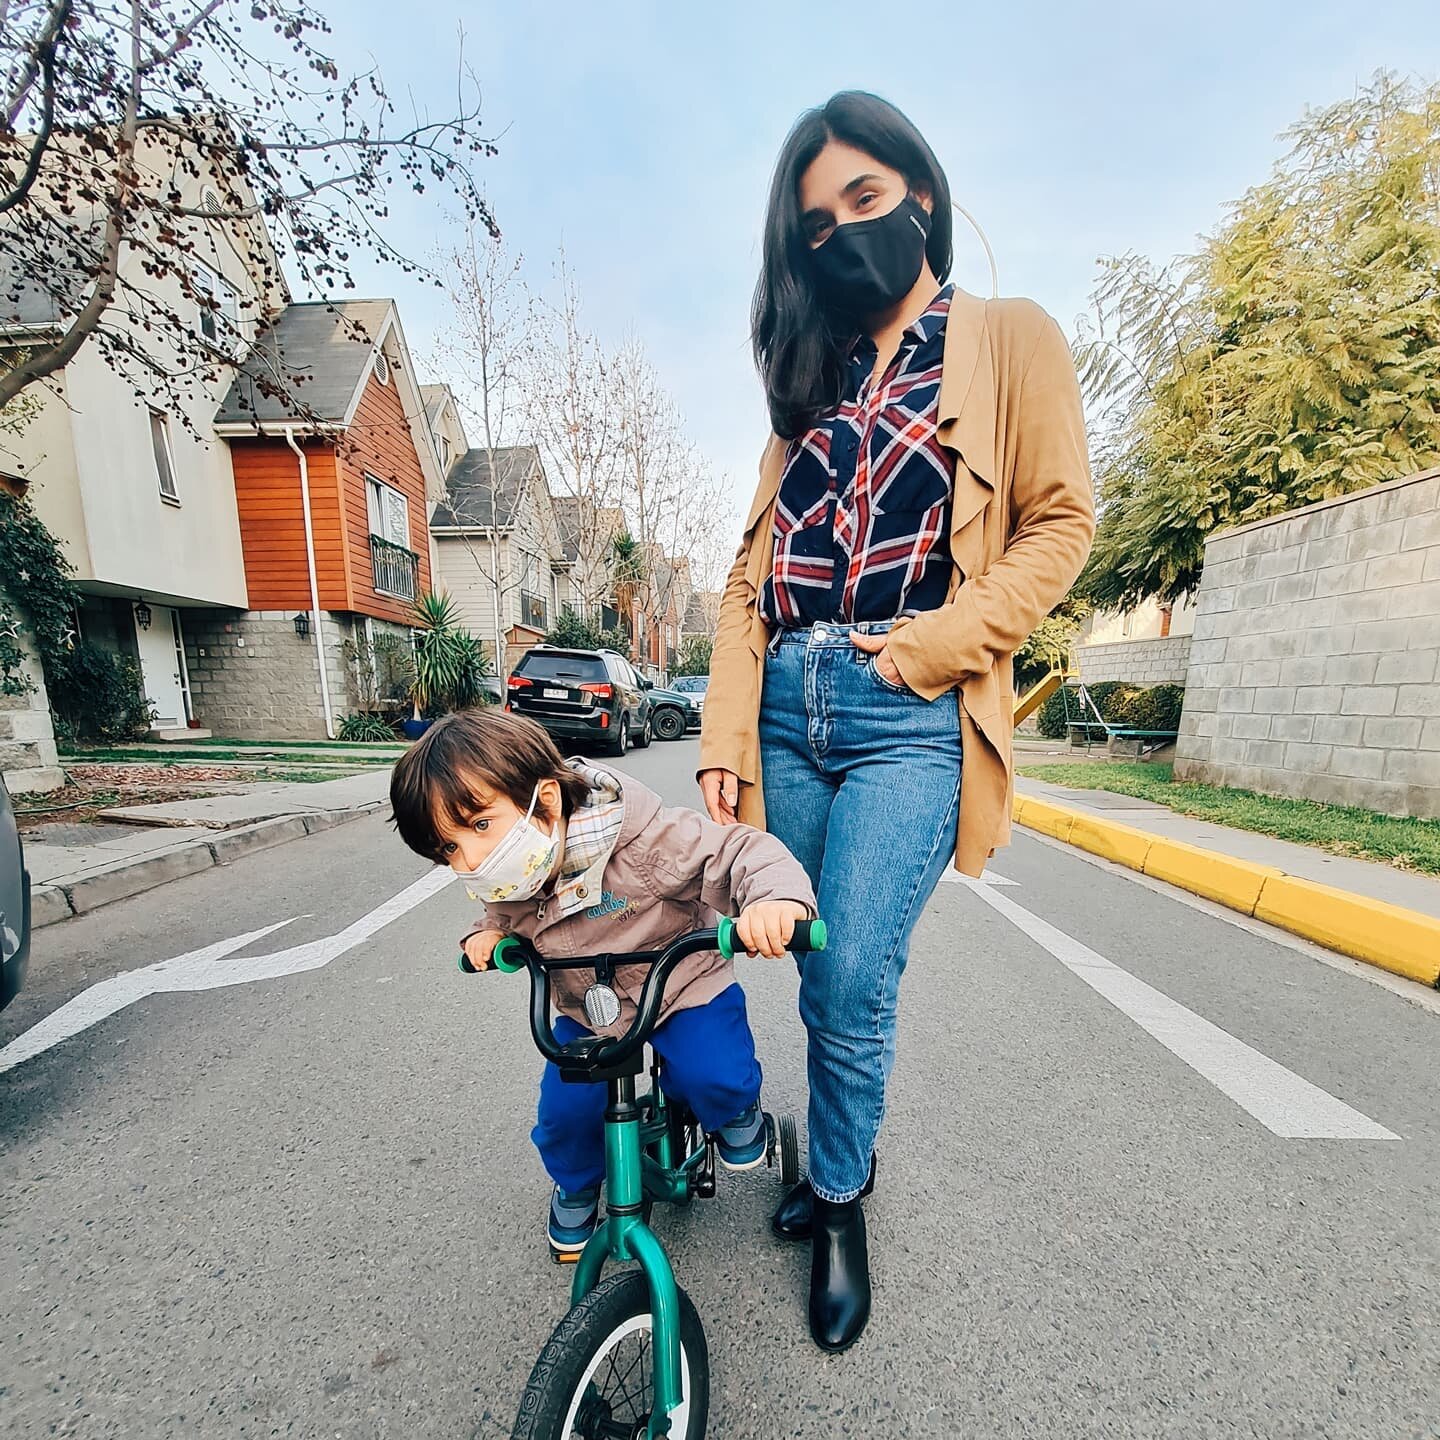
{"x":1024,"y":516}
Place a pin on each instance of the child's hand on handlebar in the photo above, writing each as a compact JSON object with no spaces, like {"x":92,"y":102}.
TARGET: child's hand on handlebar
{"x":766,"y":929}
{"x":480,"y":946}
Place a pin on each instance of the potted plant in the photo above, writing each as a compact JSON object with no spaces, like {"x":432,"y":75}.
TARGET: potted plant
{"x":449,"y":664}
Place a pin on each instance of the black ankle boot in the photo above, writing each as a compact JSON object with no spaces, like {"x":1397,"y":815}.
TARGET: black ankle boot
{"x":792,"y":1220}
{"x":839,"y":1274}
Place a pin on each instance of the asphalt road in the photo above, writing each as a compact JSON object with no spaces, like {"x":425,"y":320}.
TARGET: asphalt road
{"x":306,"y":1205}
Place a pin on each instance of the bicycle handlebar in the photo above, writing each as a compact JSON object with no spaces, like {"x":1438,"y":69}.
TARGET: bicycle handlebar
{"x":512,"y":954}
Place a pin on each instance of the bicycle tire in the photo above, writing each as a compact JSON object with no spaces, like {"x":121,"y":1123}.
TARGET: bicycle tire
{"x":579,"y":1344}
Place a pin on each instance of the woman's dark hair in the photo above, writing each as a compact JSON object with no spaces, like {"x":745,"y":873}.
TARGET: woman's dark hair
{"x":438,"y":774}
{"x":800,"y":343}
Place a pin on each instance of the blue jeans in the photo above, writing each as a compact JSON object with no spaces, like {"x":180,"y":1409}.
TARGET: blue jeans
{"x":862,"y":784}
{"x":707,"y":1059}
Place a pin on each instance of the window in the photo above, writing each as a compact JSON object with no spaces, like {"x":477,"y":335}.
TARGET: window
{"x":164,"y":456}
{"x":389,"y":512}
{"x":444,"y":452}
{"x":219,"y":303}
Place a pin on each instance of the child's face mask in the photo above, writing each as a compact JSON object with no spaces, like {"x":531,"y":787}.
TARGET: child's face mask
{"x":520,"y":864}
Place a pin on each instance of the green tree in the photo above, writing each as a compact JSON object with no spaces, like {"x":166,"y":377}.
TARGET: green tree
{"x":1296,"y":357}
{"x":695,"y":655}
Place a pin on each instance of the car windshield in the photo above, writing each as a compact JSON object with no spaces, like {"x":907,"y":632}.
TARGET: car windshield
{"x":691,"y":684}
{"x":540,"y":665}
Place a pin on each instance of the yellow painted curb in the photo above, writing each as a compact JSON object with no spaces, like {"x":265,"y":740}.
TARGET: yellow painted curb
{"x":1399,"y":940}
{"x":1236,"y":883}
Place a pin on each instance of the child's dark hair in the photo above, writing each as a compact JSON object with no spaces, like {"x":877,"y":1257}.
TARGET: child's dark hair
{"x":438,"y":774}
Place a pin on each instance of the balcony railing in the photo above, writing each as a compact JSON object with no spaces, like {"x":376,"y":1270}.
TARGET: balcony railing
{"x":396,"y":568}
{"x":534,"y":612}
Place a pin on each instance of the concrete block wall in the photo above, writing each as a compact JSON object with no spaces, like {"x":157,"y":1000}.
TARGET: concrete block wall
{"x":1136,"y":662}
{"x":1315,"y":663}
{"x":253,"y":678}
{"x":27,"y":737}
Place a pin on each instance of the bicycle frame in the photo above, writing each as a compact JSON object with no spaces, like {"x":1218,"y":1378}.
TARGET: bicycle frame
{"x":623,"y":1236}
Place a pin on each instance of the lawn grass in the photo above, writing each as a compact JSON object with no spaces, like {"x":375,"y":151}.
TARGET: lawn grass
{"x":194,"y":755}
{"x":1407,"y":844}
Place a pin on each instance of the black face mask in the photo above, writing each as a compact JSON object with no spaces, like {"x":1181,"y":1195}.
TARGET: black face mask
{"x":867,"y":266}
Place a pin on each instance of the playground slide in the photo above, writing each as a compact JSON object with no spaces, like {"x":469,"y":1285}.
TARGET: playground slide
{"x":1027,"y":704}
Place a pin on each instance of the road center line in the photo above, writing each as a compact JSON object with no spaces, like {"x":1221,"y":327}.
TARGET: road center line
{"x":1280,"y":1100}
{"x":208,"y":969}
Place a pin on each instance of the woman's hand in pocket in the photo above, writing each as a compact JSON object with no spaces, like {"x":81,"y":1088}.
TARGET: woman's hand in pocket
{"x":879,"y":647}
{"x":721,"y":789}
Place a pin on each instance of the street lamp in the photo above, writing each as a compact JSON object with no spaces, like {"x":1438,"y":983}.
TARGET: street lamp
{"x":142,"y":614}
{"x":302,"y":624}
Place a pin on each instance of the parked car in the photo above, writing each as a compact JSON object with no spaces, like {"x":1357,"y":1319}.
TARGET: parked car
{"x":591,"y":696}
{"x":14,"y":904}
{"x":672,"y":712}
{"x":693,"y":687}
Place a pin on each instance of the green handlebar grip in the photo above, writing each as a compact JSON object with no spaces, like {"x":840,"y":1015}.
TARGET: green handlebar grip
{"x":729,"y":943}
{"x":465,"y":964}
{"x":809,"y":936}
{"x":502,"y":949}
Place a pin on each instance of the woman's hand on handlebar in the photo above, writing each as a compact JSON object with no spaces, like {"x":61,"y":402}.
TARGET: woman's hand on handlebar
{"x":721,"y":789}
{"x":480,"y":946}
{"x":766,"y":929}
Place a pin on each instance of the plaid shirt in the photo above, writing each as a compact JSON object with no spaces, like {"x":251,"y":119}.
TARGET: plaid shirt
{"x":862,"y":522}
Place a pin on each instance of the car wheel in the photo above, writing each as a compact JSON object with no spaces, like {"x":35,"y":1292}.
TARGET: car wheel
{"x":646,"y":735}
{"x":620,"y":746}
{"x":669,"y":723}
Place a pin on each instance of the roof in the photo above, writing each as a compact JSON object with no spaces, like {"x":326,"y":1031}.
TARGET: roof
{"x":27,"y":305}
{"x":308,"y":365}
{"x":434,"y":398}
{"x":478,"y":497}
{"x":702,"y":613}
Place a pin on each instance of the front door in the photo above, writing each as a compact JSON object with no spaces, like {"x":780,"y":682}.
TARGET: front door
{"x":160,"y":667}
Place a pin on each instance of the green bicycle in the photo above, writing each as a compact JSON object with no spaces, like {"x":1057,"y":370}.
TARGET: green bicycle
{"x":629,"y":1361}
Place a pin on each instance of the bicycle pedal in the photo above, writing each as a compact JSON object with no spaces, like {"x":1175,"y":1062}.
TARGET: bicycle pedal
{"x":558,"y":1258}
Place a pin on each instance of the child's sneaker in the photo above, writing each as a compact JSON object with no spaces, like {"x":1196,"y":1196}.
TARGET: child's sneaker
{"x":572,"y":1221}
{"x":742,"y":1143}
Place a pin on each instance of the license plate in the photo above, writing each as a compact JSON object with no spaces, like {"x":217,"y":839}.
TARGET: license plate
{"x":557,"y":694}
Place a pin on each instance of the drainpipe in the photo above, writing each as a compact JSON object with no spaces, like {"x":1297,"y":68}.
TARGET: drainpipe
{"x":314,"y":587}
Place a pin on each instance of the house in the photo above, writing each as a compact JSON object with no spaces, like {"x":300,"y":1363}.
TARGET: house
{"x":702,"y":615}
{"x":137,"y":489}
{"x":334,"y":469}
{"x":666,"y":601}
{"x":587,"y":535}
{"x":499,"y":549}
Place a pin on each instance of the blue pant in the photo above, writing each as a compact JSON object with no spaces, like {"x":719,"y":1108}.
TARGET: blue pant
{"x":707,"y":1059}
{"x":862,"y":783}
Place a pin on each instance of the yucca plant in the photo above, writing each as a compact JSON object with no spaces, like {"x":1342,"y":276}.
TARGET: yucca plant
{"x":449,"y":660}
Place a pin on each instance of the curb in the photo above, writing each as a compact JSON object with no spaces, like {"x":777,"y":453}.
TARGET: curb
{"x":50,"y":904}
{"x":1401,"y":941}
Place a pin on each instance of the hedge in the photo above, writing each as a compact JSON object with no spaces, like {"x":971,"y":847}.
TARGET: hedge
{"x":1157,"y":708}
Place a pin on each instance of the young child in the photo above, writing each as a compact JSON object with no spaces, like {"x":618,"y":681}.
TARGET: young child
{"x":580,"y":861}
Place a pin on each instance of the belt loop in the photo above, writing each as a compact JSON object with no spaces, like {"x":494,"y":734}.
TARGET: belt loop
{"x":772,"y":647}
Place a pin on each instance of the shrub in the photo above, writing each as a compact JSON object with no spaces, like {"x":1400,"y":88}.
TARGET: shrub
{"x":1157,"y":708}
{"x":1111,"y":697}
{"x":98,"y":695}
{"x":365,"y":727}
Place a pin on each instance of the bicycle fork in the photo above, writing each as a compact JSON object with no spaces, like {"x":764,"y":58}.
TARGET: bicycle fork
{"x":623,"y":1235}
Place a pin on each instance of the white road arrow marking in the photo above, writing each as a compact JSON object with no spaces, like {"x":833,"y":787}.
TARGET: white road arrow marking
{"x":1279,"y":1099}
{"x":200,"y":970}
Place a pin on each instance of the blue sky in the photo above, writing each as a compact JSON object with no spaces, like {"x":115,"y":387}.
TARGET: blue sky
{"x":643,"y":136}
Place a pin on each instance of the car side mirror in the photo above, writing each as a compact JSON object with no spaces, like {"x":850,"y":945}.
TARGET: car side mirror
{"x":646,"y":684}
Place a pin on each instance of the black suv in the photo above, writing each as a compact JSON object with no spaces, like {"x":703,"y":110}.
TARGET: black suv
{"x":14,"y":905}
{"x":587,"y":695}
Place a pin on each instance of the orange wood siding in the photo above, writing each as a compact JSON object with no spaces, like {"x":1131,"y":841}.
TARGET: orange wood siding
{"x":272,"y":525}
{"x":379,"y":443}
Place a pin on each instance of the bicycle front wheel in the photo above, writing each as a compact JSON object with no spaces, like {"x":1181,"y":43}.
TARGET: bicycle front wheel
{"x":595,"y":1378}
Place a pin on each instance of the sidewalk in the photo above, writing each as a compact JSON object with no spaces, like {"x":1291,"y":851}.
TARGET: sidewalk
{"x":1361,"y":908}
{"x":74,"y":868}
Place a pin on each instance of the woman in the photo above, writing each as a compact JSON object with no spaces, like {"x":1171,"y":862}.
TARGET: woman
{"x":924,"y":502}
